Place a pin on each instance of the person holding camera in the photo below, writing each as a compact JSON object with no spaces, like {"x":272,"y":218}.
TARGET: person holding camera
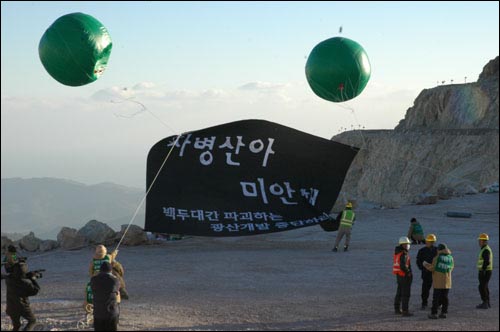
{"x":21,"y":284}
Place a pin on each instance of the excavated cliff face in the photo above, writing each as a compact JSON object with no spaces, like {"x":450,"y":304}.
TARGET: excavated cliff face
{"x":448,"y":144}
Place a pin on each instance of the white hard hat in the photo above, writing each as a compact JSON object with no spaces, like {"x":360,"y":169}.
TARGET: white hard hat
{"x":404,"y":240}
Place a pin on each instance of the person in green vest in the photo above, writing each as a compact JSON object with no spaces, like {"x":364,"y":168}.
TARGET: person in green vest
{"x":347,"y":218}
{"x":101,"y":255}
{"x":485,"y":268}
{"x":441,"y":268}
{"x":416,"y":232}
{"x":10,"y":258}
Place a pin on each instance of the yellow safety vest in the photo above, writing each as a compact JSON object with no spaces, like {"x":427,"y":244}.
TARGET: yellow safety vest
{"x":347,"y":218}
{"x":480,"y":259}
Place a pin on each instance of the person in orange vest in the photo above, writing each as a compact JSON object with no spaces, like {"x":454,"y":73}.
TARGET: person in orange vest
{"x":485,"y":268}
{"x":401,"y":267}
{"x":347,"y":218}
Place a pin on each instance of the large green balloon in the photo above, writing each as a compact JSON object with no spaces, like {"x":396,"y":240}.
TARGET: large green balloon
{"x":75,"y":49}
{"x":338,"y":69}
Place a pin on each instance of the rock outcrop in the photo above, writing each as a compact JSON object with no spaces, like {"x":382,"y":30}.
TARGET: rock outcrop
{"x":69,"y":239}
{"x":97,"y":233}
{"x":448,"y":144}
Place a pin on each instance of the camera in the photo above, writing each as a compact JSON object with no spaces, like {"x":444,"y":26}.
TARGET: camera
{"x":36,"y":274}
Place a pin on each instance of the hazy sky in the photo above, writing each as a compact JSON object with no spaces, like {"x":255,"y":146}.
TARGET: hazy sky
{"x":199,"y":64}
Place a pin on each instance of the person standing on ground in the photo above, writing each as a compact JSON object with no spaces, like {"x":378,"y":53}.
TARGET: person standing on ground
{"x":485,"y":268}
{"x":21,"y":284}
{"x":401,"y":267}
{"x":347,"y":218}
{"x":426,"y":254}
{"x":416,"y":232}
{"x":441,"y":268}
{"x":105,"y":289}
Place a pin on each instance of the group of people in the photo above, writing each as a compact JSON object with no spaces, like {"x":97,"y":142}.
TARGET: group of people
{"x":104,"y":292}
{"x":436,"y":264}
{"x":107,"y":286}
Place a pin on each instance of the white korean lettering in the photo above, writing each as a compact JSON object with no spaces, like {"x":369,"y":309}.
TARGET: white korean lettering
{"x":277,"y":190}
{"x":310,"y":194}
{"x":227,"y":144}
{"x":169,"y":212}
{"x":184,"y":143}
{"x":231,"y":216}
{"x":257,"y":145}
{"x":217,"y":227}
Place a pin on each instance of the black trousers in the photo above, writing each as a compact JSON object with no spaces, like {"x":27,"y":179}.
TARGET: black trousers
{"x":403,"y":293}
{"x":426,"y":287}
{"x":484,"y":279}
{"x":107,"y":324}
{"x":440,"y":298}
{"x":16,"y":320}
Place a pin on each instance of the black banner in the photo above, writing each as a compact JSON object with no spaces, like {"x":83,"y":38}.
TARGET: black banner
{"x":243,"y":178}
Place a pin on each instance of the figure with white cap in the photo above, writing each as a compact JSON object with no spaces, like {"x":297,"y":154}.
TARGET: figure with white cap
{"x":401,"y":267}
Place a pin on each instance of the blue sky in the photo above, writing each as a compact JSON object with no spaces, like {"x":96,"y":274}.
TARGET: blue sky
{"x":198,"y":64}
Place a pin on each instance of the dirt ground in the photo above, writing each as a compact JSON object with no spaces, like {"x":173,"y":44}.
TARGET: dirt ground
{"x":283,"y":281}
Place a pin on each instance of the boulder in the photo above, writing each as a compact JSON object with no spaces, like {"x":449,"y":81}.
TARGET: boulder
{"x":30,"y":242}
{"x":446,"y":193}
{"x":69,"y":239}
{"x":135,"y":235}
{"x":47,"y":245}
{"x":5,"y":243}
{"x":426,"y":199}
{"x":97,"y":232}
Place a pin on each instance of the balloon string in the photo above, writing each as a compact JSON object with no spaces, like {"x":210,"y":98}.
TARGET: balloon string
{"x":148,"y":190}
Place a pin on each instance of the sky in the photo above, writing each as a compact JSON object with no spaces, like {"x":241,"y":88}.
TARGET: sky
{"x":181,"y":66}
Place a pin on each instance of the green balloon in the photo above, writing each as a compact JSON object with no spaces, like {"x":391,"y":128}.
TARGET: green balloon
{"x":75,"y":49}
{"x":338,"y":69}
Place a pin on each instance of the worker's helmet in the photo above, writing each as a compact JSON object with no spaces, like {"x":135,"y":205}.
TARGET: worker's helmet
{"x":404,"y":240}
{"x":431,"y":238}
{"x":348,"y":205}
{"x":483,"y":236}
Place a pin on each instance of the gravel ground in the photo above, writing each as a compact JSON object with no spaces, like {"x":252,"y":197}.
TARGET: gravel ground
{"x":283,"y":281}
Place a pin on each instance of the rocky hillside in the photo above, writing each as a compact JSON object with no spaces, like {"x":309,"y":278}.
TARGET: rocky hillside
{"x":448,"y":144}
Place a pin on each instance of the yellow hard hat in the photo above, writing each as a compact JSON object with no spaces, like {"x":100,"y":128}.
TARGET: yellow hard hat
{"x":431,"y":238}
{"x":348,"y":205}
{"x":483,"y":236}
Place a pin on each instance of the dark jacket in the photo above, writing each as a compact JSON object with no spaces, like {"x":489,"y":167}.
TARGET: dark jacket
{"x":402,"y":260}
{"x":426,"y":254}
{"x":105,"y":288}
{"x":19,"y":288}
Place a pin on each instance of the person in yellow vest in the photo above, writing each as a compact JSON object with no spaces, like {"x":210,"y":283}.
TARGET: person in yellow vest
{"x":441,"y":268}
{"x":401,"y":267}
{"x":485,"y":267}
{"x":347,"y":218}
